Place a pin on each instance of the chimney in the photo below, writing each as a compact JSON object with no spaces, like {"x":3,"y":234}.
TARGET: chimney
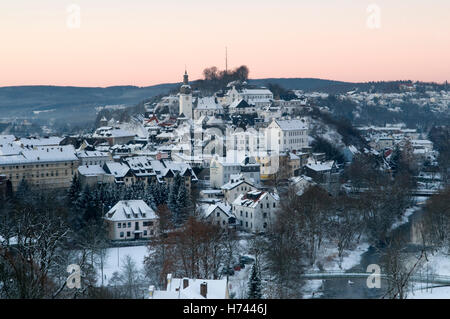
{"x":151,"y":290}
{"x":203,"y":289}
{"x":185,"y":283}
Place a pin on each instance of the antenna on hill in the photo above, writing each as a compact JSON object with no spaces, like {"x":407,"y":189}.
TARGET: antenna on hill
{"x":226,"y":60}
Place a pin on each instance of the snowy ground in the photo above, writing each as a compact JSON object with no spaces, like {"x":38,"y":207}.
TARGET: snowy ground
{"x":328,"y":258}
{"x":405,"y":217}
{"x":116,"y":257}
{"x":435,"y":293}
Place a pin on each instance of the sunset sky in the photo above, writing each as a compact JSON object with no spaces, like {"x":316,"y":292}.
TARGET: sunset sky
{"x":146,"y":42}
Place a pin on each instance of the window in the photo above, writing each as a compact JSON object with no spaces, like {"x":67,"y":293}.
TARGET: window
{"x":121,"y":234}
{"x":246,"y":214}
{"x":274,"y":205}
{"x":119,"y":225}
{"x":218,"y":214}
{"x":128,"y":234}
{"x":145,"y":233}
{"x":129,"y":224}
{"x":124,"y":225}
{"x":267,"y":205}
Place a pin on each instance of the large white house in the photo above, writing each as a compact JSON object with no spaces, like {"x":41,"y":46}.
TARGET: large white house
{"x":287,"y":135}
{"x":207,"y":106}
{"x":259,"y":97}
{"x":131,"y":219}
{"x":255,"y":211}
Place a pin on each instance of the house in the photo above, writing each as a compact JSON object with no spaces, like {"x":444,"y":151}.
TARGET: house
{"x":219,"y":214}
{"x":113,"y":135}
{"x":121,"y":172}
{"x":131,"y":219}
{"x":259,"y":97}
{"x":322,"y":172}
{"x":301,"y":183}
{"x":187,"y":288}
{"x":241,"y":107}
{"x":221,"y":170}
{"x":256,"y":210}
{"x":287,"y":135}
{"x":207,"y":106}
{"x":92,"y":175}
{"x":236,"y":186}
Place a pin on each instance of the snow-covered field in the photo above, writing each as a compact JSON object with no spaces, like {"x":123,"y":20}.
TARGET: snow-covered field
{"x":435,"y":293}
{"x":116,"y":256}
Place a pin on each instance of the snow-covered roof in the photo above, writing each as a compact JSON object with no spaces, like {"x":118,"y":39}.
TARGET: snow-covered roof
{"x":41,"y":141}
{"x":45,"y":154}
{"x":320,"y":166}
{"x":239,"y":104}
{"x":261,"y":91}
{"x":88,"y":154}
{"x":107,"y":131}
{"x":216,"y":289}
{"x":117,"y":169}
{"x":91,"y":170}
{"x":207,"y":209}
{"x":291,"y":125}
{"x":253,"y":198}
{"x":208,"y":103}
{"x":126,"y":210}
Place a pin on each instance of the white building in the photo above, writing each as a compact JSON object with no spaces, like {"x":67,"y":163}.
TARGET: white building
{"x":287,"y":135}
{"x":131,"y":219}
{"x":255,"y":211}
{"x":235,"y":187}
{"x":207,"y":106}
{"x":93,"y":157}
{"x":219,"y":214}
{"x":185,"y":98}
{"x":221,"y":171}
{"x":258,"y":97}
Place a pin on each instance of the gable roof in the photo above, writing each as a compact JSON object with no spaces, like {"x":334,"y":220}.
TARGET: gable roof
{"x":130,"y":210}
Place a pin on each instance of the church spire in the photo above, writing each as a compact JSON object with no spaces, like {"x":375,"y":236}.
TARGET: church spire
{"x":185,"y":77}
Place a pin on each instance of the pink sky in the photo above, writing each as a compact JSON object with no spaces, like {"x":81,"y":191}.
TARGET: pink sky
{"x":143,"y":43}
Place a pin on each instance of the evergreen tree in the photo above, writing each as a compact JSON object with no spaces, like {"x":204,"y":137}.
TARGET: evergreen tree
{"x":184,"y":204}
{"x":254,"y":284}
{"x":74,"y":190}
{"x":23,"y":191}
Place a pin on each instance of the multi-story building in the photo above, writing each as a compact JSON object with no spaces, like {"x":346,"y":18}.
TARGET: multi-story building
{"x":221,"y":171}
{"x":287,"y":135}
{"x":131,"y":219}
{"x":255,"y":211}
{"x":46,"y":167}
{"x":93,"y":157}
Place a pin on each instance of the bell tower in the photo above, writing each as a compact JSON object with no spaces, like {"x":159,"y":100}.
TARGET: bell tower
{"x":186,"y":97}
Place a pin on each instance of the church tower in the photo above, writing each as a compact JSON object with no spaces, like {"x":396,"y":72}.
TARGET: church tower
{"x":186,"y":97}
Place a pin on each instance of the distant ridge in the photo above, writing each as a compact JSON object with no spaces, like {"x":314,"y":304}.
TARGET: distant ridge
{"x":67,"y":101}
